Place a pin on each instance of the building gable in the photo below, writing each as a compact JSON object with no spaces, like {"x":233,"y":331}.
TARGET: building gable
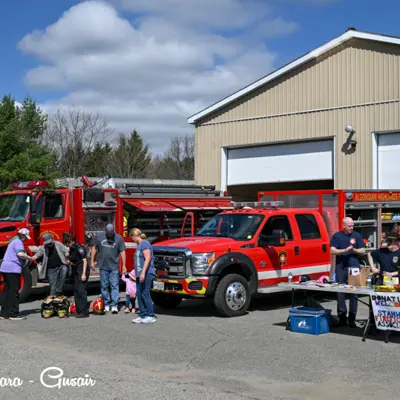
{"x":354,"y":69}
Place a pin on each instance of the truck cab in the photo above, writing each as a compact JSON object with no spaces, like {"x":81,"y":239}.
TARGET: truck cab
{"x":238,"y":253}
{"x":34,"y":206}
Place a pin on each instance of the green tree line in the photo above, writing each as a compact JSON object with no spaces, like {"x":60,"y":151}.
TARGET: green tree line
{"x":73,"y":142}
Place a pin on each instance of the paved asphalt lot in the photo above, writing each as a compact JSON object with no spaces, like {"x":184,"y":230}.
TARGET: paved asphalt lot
{"x":191,"y":353}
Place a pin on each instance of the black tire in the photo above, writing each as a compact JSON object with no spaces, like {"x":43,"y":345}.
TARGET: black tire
{"x":166,"y":301}
{"x":26,"y":289}
{"x":232,"y":296}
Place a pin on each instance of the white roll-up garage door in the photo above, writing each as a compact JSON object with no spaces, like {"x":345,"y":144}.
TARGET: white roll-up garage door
{"x":388,"y":160}
{"x":300,"y":161}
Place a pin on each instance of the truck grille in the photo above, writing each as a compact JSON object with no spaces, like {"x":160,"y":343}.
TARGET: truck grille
{"x":170,"y":263}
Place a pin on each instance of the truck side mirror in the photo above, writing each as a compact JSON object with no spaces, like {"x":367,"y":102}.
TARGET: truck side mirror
{"x":33,"y":205}
{"x":277,"y":239}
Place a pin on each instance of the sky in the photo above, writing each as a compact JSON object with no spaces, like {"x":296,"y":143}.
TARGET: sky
{"x":150,"y":64}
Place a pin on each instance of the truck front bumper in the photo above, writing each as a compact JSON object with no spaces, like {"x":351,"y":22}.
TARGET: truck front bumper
{"x":191,"y":286}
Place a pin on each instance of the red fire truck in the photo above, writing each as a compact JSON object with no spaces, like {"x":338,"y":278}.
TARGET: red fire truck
{"x":162,"y":209}
{"x":254,"y":247}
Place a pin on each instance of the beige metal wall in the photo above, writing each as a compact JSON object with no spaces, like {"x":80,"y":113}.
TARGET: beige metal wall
{"x":318,"y":100}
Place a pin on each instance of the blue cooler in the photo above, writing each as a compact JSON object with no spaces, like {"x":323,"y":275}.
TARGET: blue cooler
{"x":312,"y":321}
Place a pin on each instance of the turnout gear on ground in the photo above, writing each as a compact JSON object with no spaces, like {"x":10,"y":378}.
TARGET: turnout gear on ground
{"x":52,"y":306}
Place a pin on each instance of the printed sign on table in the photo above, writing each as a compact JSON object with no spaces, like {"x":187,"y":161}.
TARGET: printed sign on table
{"x":386,"y":308}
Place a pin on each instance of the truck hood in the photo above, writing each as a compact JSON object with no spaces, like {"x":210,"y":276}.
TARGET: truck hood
{"x":201,"y":244}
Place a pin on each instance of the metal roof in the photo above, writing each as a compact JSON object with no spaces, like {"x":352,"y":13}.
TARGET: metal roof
{"x":351,"y":33}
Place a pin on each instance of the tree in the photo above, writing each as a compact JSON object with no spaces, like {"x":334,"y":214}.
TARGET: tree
{"x":178,"y":160}
{"x":74,"y":135}
{"x":23,"y":156}
{"x":99,"y":160}
{"x":131,"y":158}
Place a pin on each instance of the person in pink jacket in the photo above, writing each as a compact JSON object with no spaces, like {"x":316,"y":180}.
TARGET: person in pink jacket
{"x":130,"y":280}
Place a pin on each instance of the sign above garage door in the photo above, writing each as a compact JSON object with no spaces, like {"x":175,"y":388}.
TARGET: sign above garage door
{"x":300,"y":161}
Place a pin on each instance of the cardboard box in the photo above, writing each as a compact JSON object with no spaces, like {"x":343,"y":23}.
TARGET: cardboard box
{"x":358,"y":276}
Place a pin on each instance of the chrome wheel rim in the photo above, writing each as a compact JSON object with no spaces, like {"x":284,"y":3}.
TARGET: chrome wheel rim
{"x":235,"y":296}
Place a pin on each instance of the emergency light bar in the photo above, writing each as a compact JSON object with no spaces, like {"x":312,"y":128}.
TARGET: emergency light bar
{"x":257,"y":204}
{"x":29,"y":185}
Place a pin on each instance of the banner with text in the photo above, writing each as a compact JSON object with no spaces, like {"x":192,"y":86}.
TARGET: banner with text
{"x":386,"y":308}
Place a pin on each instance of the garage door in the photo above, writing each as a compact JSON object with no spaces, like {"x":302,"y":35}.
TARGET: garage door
{"x":388,"y":160}
{"x":300,"y":161}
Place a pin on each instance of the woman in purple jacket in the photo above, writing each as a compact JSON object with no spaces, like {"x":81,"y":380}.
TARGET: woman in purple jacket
{"x":11,"y":269}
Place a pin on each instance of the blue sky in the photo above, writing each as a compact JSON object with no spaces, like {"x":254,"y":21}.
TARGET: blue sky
{"x":147,"y":84}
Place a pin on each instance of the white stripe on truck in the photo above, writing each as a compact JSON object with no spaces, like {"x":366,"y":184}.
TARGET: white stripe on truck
{"x":280,"y":273}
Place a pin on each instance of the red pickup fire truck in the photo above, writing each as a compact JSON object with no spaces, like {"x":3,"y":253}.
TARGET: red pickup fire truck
{"x":254,"y":247}
{"x":161,"y":209}
{"x":240,"y":252}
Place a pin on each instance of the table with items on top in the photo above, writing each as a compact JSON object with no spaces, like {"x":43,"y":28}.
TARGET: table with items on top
{"x":384,"y":302}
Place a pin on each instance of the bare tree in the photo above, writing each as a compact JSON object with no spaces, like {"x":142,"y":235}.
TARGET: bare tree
{"x":73,"y":135}
{"x":178,"y":161}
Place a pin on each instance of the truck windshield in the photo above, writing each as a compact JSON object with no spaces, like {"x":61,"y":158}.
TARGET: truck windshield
{"x":14,"y":207}
{"x":235,"y":226}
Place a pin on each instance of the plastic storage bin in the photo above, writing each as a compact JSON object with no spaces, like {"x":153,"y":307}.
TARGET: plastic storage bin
{"x":312,"y":321}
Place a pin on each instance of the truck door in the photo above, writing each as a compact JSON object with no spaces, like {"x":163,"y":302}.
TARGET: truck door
{"x":51,"y":207}
{"x":276,"y":262}
{"x":313,"y":245}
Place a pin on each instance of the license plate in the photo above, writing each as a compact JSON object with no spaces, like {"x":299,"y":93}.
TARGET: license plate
{"x":158,"y":285}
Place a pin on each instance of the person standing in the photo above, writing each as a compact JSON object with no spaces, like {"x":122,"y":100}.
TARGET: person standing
{"x":110,"y":246}
{"x":54,"y":264}
{"x":11,"y":269}
{"x":80,"y":272}
{"x":130,"y":292}
{"x":387,"y":257}
{"x":145,"y":274}
{"x":347,"y":246}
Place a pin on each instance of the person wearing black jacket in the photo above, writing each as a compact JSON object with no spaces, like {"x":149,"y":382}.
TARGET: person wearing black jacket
{"x":387,"y":258}
{"x":81,"y":272}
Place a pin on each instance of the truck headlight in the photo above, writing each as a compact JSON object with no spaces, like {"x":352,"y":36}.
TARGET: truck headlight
{"x":201,"y":262}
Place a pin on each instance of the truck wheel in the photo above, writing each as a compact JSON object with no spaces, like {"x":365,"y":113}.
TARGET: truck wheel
{"x":166,"y":301}
{"x":232,"y":296}
{"x":25,"y":285}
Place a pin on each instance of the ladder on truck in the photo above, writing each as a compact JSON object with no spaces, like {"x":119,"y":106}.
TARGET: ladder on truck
{"x":145,"y":187}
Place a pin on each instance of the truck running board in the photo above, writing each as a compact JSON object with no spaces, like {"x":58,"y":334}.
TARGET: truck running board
{"x":272,"y":289}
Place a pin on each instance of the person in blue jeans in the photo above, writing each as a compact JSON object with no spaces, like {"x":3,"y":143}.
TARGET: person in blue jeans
{"x":110,"y":246}
{"x":145,"y":274}
{"x":347,"y":245}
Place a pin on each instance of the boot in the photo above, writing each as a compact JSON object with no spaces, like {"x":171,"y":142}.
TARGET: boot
{"x":342,"y":320}
{"x":352,"y":320}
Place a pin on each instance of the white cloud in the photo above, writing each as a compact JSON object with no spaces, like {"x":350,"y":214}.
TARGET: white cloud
{"x":149,"y":64}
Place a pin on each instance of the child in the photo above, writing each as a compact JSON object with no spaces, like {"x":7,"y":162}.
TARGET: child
{"x":130,"y":280}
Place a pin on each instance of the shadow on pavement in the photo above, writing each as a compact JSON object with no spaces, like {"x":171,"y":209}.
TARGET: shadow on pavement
{"x":205,"y":307}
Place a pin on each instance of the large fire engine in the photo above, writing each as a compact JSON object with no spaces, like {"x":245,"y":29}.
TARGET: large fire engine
{"x":161,"y":209}
{"x":375,"y":212}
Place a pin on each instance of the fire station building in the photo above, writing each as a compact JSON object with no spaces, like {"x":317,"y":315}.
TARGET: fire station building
{"x":328,"y":120}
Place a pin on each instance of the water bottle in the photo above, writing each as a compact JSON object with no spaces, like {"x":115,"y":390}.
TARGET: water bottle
{"x":369,"y":280}
{"x":290,"y":278}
